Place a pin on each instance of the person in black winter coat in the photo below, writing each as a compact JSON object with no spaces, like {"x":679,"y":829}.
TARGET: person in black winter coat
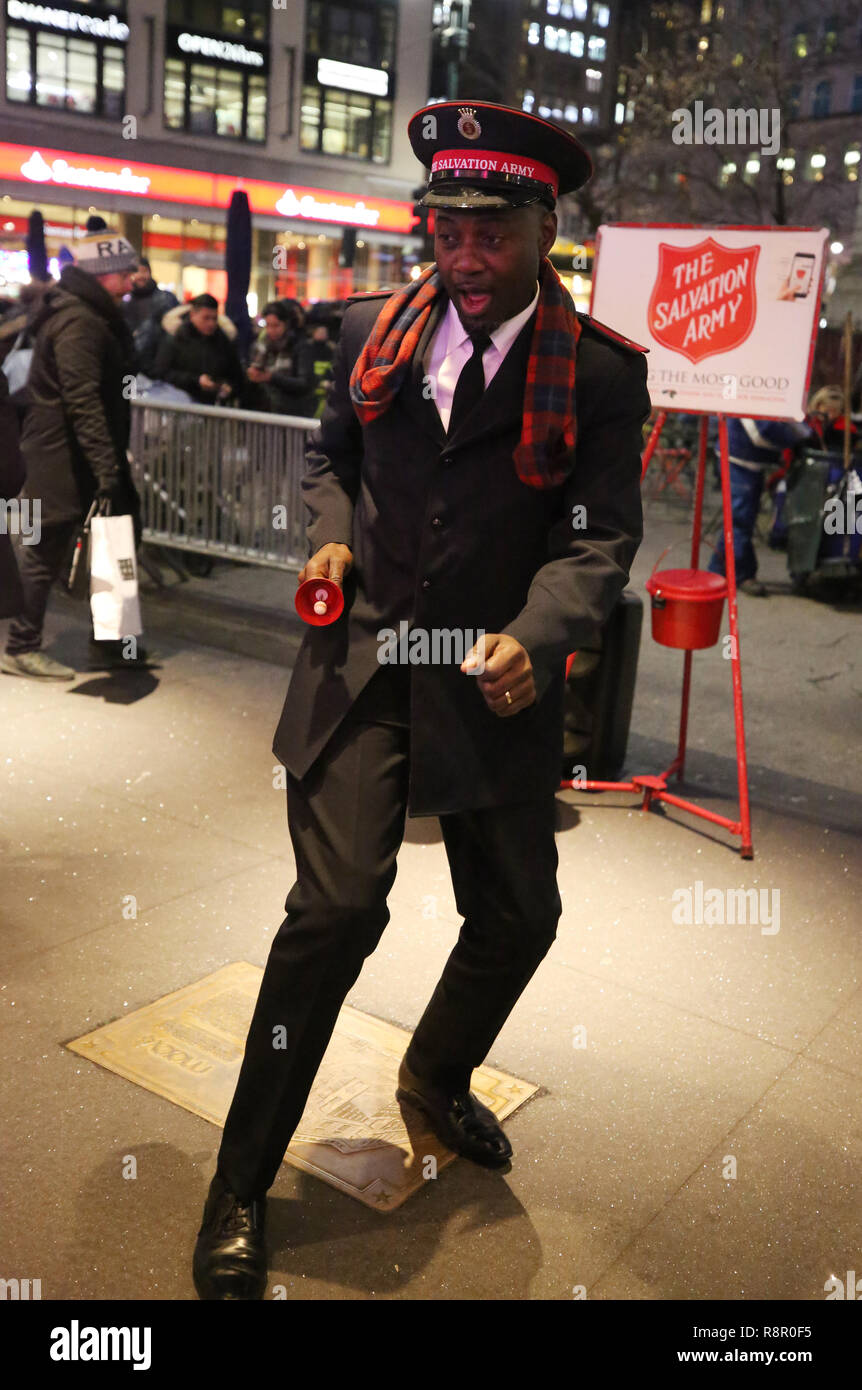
{"x":143,"y":311}
{"x":76,"y":431}
{"x":198,"y":354}
{"x":281,"y":371}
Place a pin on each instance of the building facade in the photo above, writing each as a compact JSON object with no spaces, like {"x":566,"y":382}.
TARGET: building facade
{"x":150,"y":113}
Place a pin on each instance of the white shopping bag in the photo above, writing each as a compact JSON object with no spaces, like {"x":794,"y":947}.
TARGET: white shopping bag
{"x":114,"y":599}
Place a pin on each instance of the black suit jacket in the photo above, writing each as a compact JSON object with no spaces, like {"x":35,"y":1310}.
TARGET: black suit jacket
{"x":445,"y":535}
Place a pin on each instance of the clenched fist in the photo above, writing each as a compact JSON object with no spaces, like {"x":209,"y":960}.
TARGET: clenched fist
{"x":507,"y":667}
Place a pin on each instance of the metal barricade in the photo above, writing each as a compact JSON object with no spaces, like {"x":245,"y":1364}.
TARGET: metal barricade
{"x":221,"y":482}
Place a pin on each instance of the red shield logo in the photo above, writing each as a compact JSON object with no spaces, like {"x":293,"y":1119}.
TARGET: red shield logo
{"x":703,"y":301}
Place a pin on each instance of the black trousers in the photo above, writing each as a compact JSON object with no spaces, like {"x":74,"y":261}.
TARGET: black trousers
{"x":346,"y":820}
{"x":39,"y":566}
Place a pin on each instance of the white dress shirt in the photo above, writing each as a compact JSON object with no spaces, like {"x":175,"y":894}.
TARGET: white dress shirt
{"x":451,"y":348}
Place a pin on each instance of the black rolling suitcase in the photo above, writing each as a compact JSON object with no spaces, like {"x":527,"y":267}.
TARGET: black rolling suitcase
{"x":599,"y":696}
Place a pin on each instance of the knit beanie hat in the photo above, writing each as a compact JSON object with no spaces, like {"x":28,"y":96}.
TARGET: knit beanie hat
{"x":104,"y":252}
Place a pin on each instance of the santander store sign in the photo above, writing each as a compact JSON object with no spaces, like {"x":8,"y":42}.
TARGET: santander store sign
{"x":65,"y":169}
{"x":37,"y":170}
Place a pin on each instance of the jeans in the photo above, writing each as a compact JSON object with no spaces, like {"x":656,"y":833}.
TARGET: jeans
{"x":746,"y":487}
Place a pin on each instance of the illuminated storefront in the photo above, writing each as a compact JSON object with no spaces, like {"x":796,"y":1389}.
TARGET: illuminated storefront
{"x":300,"y":232}
{"x":71,"y":58}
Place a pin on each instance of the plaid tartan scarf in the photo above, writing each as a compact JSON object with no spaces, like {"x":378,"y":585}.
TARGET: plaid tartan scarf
{"x":543,"y":455}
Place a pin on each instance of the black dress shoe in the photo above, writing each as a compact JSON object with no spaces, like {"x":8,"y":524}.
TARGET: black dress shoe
{"x":458,"y":1119}
{"x":230,"y":1254}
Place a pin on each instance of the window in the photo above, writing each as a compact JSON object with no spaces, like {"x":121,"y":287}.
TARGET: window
{"x":347,"y":128}
{"x":570,"y":113}
{"x":175,"y":94}
{"x":593,"y":80}
{"x":550,"y":36}
{"x":18,"y":80}
{"x":589,"y":115}
{"x":255,"y":121}
{"x":113,"y":82}
{"x":800,"y":41}
{"x":816,"y":165}
{"x":576,"y":44}
{"x":553,"y":6}
{"x":619,"y":113}
{"x":822,"y":99}
{"x":349,"y":125}
{"x":580,"y":9}
{"x":529,"y":101}
{"x":728,"y":172}
{"x":830,"y":34}
{"x":47,"y":68}
{"x":206,"y":100}
{"x":597,"y":48}
{"x":354,"y":31}
{"x":601,"y":16}
{"x":856,"y":95}
{"x":534,"y":33}
{"x":794,"y":99}
{"x":851,"y":163}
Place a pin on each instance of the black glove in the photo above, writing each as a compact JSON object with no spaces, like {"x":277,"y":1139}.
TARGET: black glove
{"x":108,"y":491}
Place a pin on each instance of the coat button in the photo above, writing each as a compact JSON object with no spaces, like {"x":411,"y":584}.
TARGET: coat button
{"x":435,"y":521}
{"x":426,"y":583}
{"x":446,"y":460}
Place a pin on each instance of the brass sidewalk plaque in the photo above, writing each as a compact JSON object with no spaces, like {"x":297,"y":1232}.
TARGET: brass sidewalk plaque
{"x":188,"y":1048}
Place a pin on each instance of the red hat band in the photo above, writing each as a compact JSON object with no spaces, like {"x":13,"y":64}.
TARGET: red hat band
{"x":476,"y":164}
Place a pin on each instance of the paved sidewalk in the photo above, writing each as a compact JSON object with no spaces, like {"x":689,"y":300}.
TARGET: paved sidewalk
{"x":704,"y":1043}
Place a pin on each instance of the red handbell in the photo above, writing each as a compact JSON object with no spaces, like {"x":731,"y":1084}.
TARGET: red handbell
{"x":319,"y":602}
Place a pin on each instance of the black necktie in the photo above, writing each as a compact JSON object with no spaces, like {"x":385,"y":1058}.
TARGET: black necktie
{"x":470,"y":383}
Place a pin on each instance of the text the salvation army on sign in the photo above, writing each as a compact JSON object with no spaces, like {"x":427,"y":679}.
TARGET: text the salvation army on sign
{"x":704,"y":300}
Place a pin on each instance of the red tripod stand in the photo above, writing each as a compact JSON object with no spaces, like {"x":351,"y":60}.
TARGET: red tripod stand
{"x":654,"y":787}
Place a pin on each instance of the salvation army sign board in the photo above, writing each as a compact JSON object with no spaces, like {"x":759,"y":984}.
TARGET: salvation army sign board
{"x":729,"y":314}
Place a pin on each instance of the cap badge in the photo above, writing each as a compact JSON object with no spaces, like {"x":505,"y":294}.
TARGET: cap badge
{"x":468,"y":126}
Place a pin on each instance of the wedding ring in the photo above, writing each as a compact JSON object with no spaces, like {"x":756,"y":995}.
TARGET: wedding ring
{"x":508,"y":698}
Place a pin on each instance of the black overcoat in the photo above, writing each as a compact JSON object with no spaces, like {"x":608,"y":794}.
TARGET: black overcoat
{"x":78,"y":395}
{"x":445,"y":535}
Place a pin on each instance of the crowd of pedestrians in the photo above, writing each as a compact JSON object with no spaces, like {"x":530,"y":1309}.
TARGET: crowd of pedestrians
{"x":68,"y":350}
{"x":193,"y":347}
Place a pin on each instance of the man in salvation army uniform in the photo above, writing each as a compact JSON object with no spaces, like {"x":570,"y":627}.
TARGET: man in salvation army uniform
{"x":473,"y":415}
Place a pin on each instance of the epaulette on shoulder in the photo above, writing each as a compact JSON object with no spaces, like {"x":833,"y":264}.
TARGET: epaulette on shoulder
{"x":611,"y":333}
{"x":362,"y":295}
